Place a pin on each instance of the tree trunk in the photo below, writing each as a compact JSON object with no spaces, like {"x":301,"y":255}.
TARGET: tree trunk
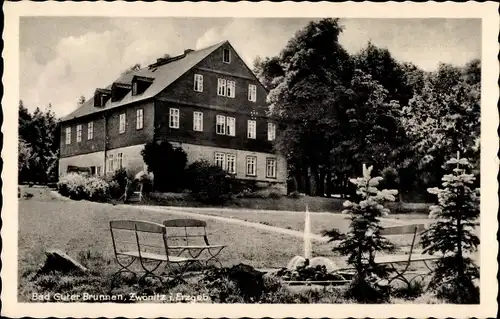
{"x":307,"y":182}
{"x":328,"y":183}
{"x":321,"y":182}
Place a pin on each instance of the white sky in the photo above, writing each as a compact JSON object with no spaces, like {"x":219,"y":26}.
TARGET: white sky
{"x":63,"y":58}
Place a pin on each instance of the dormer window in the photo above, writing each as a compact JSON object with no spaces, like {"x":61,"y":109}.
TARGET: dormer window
{"x":101,"y":96}
{"x":226,"y":56}
{"x":119,"y":91}
{"x":140,"y":84}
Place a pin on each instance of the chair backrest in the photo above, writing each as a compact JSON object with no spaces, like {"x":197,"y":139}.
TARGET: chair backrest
{"x":403,"y":230}
{"x":139,"y":235}
{"x":197,"y":229}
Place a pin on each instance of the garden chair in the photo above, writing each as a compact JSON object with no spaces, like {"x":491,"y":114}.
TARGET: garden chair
{"x":189,"y":237}
{"x":144,"y":241}
{"x":400,"y":263}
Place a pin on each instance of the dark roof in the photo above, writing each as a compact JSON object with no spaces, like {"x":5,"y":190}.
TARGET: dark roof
{"x":163,"y":76}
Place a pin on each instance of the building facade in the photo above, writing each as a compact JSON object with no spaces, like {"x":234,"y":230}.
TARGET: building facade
{"x":207,"y":101}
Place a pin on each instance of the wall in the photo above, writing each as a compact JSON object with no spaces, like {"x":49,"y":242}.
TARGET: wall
{"x":196,"y":152}
{"x":209,"y":137}
{"x":131,"y":158}
{"x":131,"y":136}
{"x":85,"y":160}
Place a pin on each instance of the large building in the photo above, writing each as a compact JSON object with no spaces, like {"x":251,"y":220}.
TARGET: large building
{"x":207,"y":101}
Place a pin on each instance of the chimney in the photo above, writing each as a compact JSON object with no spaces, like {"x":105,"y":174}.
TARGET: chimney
{"x":188,"y":51}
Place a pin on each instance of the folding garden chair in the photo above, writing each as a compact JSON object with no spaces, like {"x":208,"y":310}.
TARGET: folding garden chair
{"x":185,"y":241}
{"x":144,"y":241}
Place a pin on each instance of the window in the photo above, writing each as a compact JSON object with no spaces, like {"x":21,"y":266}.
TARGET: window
{"x":122,"y":123}
{"x":251,"y":164}
{"x":226,"y":56}
{"x":271,"y":131}
{"x":118,"y":161}
{"x":251,"y":129}
{"x":271,"y":168}
{"x":78,"y":133}
{"x":134,"y":88}
{"x":220,"y":159}
{"x":252,"y":92}
{"x":68,"y":135}
{"x":220,"y":126}
{"x":90,"y":130}
{"x":231,"y":126}
{"x":174,"y":118}
{"x":198,"y":83}
{"x":198,"y":121}
{"x":221,"y":87}
{"x":231,"y":87}
{"x":139,"y":121}
{"x":110,"y":163}
{"x":231,"y":163}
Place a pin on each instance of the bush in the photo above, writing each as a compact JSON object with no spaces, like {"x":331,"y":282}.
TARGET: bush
{"x":275,"y":195}
{"x":209,"y":183}
{"x":294,"y":194}
{"x":166,"y":163}
{"x":76,"y":186}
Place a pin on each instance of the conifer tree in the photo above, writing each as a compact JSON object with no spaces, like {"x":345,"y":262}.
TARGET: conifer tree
{"x":452,"y":234}
{"x":364,"y":239}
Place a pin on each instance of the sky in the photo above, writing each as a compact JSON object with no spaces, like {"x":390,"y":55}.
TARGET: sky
{"x":62,"y":58}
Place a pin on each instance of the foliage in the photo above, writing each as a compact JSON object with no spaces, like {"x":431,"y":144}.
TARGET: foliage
{"x":451,"y":234}
{"x":166,"y":163}
{"x":40,"y":140}
{"x":364,"y":240}
{"x":209,"y":183}
{"x":77,"y":186}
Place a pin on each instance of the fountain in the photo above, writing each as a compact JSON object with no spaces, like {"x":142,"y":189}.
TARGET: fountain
{"x":307,"y":261}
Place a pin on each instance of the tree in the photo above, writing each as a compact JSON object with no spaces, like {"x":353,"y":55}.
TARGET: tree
{"x":40,"y":131}
{"x":209,"y":183}
{"x":81,"y":100}
{"x":316,"y":69}
{"x":166,"y":163}
{"x":24,"y":157}
{"x":133,"y":68}
{"x":443,"y":119}
{"x":364,"y":239}
{"x":452,"y":234}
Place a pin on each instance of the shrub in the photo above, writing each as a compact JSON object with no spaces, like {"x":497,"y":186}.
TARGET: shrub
{"x":209,"y":183}
{"x":166,"y":163}
{"x":76,"y":186}
{"x":275,"y":195}
{"x":294,"y":194}
{"x":96,"y":189}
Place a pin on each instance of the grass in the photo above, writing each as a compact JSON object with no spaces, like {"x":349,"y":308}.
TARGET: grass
{"x":284,"y":203}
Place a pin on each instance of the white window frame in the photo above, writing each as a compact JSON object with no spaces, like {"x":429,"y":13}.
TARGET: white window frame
{"x":252,"y":129}
{"x":252,"y":92}
{"x":110,"y":162}
{"x":231,"y":126}
{"x":68,"y":135}
{"x":230,"y":88}
{"x":271,"y":167}
{"x":123,"y":123}
{"x":118,"y":161}
{"x":173,"y":118}
{"x":271,"y":131}
{"x":90,"y":130}
{"x":78,"y":133}
{"x":228,"y":55}
{"x":251,"y":166}
{"x":139,"y":119}
{"x":198,"y":83}
{"x":220,"y":125}
{"x":198,"y":121}
{"x":221,"y":87}
{"x":220,"y":160}
{"x":231,"y":163}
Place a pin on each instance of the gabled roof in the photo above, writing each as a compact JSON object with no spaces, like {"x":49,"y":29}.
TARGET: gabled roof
{"x":163,"y":76}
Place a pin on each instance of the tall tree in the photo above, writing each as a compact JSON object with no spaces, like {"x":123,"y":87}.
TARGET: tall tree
{"x":452,"y":234}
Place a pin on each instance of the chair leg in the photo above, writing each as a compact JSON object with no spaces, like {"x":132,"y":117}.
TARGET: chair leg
{"x":124,"y":268}
{"x":214,"y":257}
{"x":150,"y":272}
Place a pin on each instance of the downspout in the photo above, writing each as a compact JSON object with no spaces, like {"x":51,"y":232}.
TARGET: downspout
{"x":105,"y":142}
